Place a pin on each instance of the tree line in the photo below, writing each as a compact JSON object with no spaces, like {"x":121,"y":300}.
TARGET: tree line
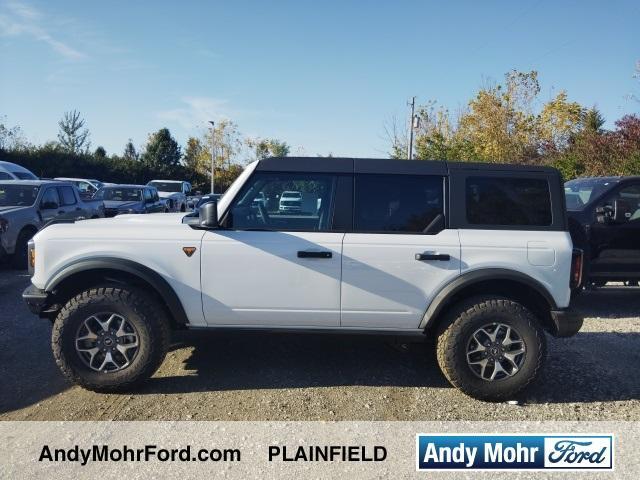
{"x":502,"y":124}
{"x":161,"y":157}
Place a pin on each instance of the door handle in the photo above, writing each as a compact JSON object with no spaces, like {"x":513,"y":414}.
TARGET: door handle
{"x":60,"y":212}
{"x":444,"y":257}
{"x":308,"y":254}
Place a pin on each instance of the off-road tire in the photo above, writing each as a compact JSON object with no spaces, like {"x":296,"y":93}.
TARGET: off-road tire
{"x":19,"y":258}
{"x":463,"y":320}
{"x":139,"y":309}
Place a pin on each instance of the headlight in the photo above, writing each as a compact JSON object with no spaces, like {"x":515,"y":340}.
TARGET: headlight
{"x":31,"y":254}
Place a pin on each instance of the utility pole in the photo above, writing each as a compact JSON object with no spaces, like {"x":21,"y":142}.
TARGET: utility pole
{"x":410,"y":146}
{"x":213,"y":154}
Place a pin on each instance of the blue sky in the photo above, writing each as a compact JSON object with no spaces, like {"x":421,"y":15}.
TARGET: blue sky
{"x":324,"y":76}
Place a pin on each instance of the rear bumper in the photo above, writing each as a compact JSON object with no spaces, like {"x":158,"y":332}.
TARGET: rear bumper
{"x":37,"y":300}
{"x":567,"y":322}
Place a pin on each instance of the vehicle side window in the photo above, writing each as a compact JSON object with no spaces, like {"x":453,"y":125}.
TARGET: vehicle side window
{"x":67,"y":196}
{"x":398,"y":203}
{"x":50,"y":199}
{"x":85,"y":187}
{"x":147,"y":195}
{"x":630,"y":195}
{"x":5,"y":176}
{"x":505,"y":201}
{"x":284,"y":201}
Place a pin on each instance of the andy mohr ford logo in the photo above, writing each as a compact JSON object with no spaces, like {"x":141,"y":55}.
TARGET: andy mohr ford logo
{"x":513,"y":452}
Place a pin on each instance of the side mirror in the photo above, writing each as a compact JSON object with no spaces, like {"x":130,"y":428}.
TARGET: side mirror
{"x":208,"y":215}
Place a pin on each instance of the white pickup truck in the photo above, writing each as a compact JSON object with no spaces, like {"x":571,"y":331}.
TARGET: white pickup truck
{"x":477,"y":257}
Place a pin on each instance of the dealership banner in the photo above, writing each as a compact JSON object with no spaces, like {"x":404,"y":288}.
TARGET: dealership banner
{"x":303,"y":450}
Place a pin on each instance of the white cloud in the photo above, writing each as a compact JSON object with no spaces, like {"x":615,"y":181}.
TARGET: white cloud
{"x":18,"y":19}
{"x":197,"y":111}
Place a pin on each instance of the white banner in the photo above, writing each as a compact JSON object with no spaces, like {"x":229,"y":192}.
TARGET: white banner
{"x":266,"y":450}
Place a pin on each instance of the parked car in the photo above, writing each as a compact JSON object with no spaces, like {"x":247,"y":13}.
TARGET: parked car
{"x":174,"y":191}
{"x":124,"y":199}
{"x":12,"y":171}
{"x":206,"y":199}
{"x":86,"y":187}
{"x":485,"y":272}
{"x":290,"y":201}
{"x":604,"y":221}
{"x":27,"y":205}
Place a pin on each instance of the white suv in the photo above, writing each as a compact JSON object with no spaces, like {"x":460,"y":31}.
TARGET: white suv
{"x":477,"y":257}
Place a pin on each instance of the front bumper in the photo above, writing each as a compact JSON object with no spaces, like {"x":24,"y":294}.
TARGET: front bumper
{"x":567,"y":322}
{"x":37,"y":300}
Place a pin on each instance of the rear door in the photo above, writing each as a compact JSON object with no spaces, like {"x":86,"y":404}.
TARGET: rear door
{"x":69,"y":206}
{"x":400,"y":252}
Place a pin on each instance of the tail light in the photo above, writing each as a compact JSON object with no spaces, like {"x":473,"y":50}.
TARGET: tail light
{"x":577,"y":262}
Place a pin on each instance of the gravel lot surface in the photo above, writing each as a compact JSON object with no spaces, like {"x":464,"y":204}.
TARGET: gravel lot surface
{"x":592,"y":376}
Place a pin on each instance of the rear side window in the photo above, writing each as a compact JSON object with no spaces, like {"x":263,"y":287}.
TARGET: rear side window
{"x":398,"y":203}
{"x":504,"y":201}
{"x":67,"y":196}
{"x":5,"y":176}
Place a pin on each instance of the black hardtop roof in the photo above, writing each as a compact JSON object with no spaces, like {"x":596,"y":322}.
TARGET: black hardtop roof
{"x":388,"y":166}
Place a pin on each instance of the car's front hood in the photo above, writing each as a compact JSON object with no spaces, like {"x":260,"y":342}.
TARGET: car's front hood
{"x":169,"y":194}
{"x":10,"y":211}
{"x":121,"y":204}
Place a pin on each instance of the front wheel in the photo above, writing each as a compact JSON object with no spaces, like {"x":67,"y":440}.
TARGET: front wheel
{"x":492,"y":348}
{"x":109,"y":339}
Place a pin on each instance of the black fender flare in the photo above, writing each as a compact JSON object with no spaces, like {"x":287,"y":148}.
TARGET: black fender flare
{"x":144,"y":273}
{"x":476,"y":276}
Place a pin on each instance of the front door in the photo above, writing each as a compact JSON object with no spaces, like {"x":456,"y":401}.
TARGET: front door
{"x":273,"y":267}
{"x":50,"y":207}
{"x":615,"y":243}
{"x":400,"y":253}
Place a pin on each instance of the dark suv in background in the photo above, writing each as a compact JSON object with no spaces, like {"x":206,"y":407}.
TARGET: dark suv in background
{"x":604,"y":221}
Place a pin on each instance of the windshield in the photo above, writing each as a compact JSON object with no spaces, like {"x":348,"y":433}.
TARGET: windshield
{"x":25,"y":175}
{"x":120,"y":194}
{"x":167,"y":186}
{"x":580,"y":192}
{"x":18,"y":195}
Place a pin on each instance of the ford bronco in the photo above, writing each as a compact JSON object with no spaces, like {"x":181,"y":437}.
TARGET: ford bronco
{"x":477,"y":257}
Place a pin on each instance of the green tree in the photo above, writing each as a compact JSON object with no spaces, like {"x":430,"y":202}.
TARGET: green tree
{"x":100,"y":153}
{"x":130,"y":152}
{"x":499,"y":124}
{"x":162,"y":152}
{"x":197,"y":157}
{"x":592,"y":120}
{"x":73,"y":137}
{"x":268,"y":147}
{"x":559,"y":122}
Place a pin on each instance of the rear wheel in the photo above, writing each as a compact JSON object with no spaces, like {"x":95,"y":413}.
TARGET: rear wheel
{"x":492,"y":348}
{"x":110,"y":338}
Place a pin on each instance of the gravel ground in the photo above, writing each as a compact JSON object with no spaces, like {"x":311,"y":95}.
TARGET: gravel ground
{"x":592,"y":376}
